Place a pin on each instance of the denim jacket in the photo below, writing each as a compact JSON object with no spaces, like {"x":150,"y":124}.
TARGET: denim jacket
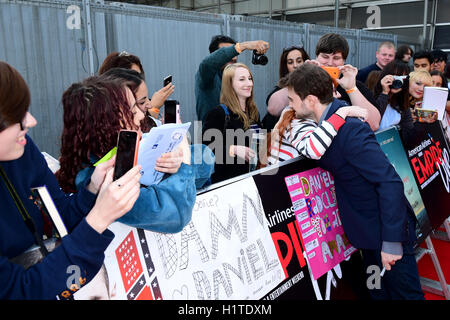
{"x":166,"y":207}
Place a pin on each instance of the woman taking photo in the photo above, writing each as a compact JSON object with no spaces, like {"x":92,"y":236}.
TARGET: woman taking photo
{"x":232,"y":119}
{"x":95,"y":110}
{"x":397,"y":96}
{"x":129,"y":61}
{"x":86,"y":214}
{"x":291,"y":58}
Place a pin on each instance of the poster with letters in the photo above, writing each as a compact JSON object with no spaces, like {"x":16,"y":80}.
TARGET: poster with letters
{"x":392,"y":146}
{"x":429,"y":159}
{"x":314,"y":202}
{"x":225,"y":252}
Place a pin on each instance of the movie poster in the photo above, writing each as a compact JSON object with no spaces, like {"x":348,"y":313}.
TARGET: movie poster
{"x":313,"y":197}
{"x":285,"y":233}
{"x":392,"y":146}
{"x":226,"y":252}
{"x":428,"y":155}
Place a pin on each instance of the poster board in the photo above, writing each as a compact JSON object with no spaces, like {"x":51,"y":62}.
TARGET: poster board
{"x":391,"y":144}
{"x":313,"y":197}
{"x":429,"y":158}
{"x":225,"y":252}
{"x":345,"y":281}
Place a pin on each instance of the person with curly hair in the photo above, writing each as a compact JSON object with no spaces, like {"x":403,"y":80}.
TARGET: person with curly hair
{"x":95,"y":110}
{"x":86,"y":214}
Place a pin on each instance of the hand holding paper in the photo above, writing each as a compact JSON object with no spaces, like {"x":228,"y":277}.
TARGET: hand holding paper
{"x":156,"y":154}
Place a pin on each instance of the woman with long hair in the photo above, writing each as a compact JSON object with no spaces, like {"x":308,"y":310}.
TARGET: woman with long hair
{"x":86,"y":214}
{"x":397,"y":97}
{"x":95,"y":110}
{"x":230,"y":141}
{"x":127,"y":60}
{"x":404,"y":53}
{"x":290,"y":59}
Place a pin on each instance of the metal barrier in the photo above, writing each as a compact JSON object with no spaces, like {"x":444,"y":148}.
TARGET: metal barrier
{"x":37,"y":38}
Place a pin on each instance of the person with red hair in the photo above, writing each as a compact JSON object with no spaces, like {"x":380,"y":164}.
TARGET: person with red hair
{"x":95,"y":110}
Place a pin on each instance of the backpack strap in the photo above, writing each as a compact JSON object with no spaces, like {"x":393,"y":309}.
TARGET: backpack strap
{"x":227,"y":115}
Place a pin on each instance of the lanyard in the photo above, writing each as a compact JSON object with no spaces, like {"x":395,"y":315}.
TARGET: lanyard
{"x":23,"y":212}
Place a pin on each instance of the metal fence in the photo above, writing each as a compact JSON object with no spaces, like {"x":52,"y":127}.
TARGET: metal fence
{"x":36,"y":40}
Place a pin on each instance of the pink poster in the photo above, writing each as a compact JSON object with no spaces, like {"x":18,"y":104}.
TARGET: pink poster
{"x":314,"y":200}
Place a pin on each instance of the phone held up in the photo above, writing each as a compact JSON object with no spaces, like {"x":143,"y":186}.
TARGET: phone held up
{"x":127,"y":151}
{"x":334,"y":73}
{"x":172,"y":111}
{"x":167,"y":80}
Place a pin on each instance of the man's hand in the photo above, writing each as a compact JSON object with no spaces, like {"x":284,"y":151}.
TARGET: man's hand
{"x":389,"y":260}
{"x":259,"y":45}
{"x":348,"y":80}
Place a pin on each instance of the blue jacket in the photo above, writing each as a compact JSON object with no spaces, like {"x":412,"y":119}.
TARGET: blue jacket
{"x":208,"y":80}
{"x":83,"y":247}
{"x":369,"y":191}
{"x":167,"y":206}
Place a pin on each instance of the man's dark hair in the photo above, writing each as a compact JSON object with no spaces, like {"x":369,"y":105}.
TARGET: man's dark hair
{"x":331,"y":43}
{"x":216,"y":40}
{"x":447,"y":70}
{"x":423,"y":54}
{"x":439,"y":55}
{"x":402,"y":50}
{"x":311,"y":79}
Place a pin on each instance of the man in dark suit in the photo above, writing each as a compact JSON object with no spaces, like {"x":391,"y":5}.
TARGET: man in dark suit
{"x":375,"y":213}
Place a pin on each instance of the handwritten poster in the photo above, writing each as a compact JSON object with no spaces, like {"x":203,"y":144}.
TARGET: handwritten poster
{"x":314,"y":200}
{"x":225,"y":252}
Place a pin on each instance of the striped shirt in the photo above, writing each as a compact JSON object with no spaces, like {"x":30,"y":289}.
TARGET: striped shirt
{"x":304,"y":138}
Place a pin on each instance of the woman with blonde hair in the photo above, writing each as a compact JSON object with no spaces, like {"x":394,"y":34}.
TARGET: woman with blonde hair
{"x":232,"y":119}
{"x":416,"y":84}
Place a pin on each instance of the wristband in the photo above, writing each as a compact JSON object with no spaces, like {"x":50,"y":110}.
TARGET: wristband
{"x":351,"y":90}
{"x":237,"y":46}
{"x":155,"y":110}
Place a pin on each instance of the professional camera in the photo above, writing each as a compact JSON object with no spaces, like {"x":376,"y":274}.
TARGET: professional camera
{"x":259,"y":58}
{"x":398,"y":82}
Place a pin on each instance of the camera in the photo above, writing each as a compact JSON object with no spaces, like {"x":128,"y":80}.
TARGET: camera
{"x":398,"y":82}
{"x":259,"y":58}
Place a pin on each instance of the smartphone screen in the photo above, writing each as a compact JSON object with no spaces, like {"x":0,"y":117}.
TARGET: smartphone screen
{"x":171,"y":109}
{"x":127,"y":148}
{"x":167,"y":80}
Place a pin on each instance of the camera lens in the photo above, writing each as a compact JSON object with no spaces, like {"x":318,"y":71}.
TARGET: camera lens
{"x":396,"y":84}
{"x":259,"y":58}
{"x":263,"y":60}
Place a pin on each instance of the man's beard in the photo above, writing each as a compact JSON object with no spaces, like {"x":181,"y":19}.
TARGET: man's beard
{"x":304,"y":113}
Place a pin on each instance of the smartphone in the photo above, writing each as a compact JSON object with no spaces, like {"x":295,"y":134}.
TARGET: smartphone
{"x":334,"y":74}
{"x":127,"y":151}
{"x":171,"y":111}
{"x":167,"y":80}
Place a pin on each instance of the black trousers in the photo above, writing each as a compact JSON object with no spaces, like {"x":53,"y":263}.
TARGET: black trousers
{"x":400,"y":283}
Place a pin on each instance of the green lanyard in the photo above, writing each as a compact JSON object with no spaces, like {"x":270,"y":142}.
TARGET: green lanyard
{"x":23,"y":212}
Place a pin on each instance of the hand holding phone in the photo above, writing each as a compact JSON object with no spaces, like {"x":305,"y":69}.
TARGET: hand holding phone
{"x":127,"y":151}
{"x":334,"y":73}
